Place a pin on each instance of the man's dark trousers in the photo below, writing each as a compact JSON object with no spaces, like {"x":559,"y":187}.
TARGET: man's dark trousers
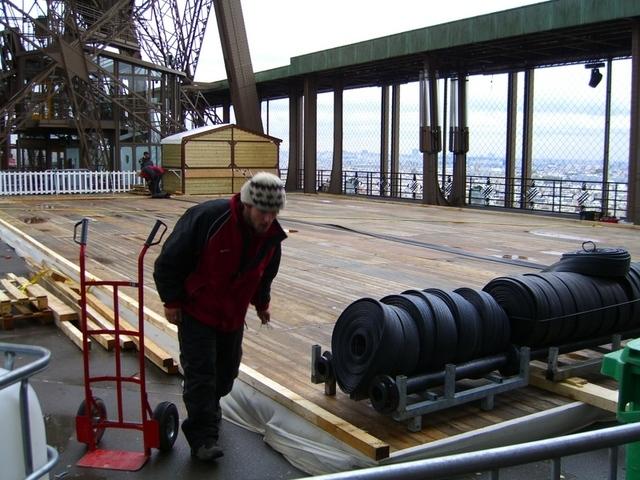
{"x":210,"y":361}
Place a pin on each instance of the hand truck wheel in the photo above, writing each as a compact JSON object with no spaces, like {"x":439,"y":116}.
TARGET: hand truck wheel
{"x":166,"y":414}
{"x":98,"y":414}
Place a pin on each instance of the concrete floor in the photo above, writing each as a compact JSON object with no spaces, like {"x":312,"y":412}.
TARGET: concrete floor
{"x":60,"y":390}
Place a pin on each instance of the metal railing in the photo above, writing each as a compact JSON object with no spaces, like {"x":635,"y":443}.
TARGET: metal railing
{"x":56,"y":182}
{"x":21,"y":375}
{"x":494,"y":459}
{"x":585,"y":198}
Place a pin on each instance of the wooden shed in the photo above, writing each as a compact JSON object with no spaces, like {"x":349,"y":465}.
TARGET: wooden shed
{"x":216,"y":159}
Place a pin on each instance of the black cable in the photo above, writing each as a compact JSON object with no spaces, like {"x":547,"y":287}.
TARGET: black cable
{"x":417,"y":243}
{"x":594,"y":261}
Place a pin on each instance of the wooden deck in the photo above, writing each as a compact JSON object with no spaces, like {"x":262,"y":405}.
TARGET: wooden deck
{"x":325,"y":268}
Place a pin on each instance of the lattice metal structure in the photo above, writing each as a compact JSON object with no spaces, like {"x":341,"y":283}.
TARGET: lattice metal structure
{"x":93,"y":83}
{"x":175,"y":41}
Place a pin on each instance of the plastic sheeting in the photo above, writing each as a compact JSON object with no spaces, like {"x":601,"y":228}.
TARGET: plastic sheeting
{"x":316,"y":452}
{"x":303,"y":444}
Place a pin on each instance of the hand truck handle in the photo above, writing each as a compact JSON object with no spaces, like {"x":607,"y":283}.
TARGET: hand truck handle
{"x":154,"y":231}
{"x":83,"y":233}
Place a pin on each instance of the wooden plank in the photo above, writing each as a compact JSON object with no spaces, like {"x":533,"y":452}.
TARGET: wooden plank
{"x":21,"y":303}
{"x":72,"y":333}
{"x":105,"y":340}
{"x":153,"y":352}
{"x":351,"y":435}
{"x":5,"y":304}
{"x":94,"y":320}
{"x":213,"y":173}
{"x":17,"y":296}
{"x":61,"y":311}
{"x":43,"y":257}
{"x":126,"y":341}
{"x":37,"y":296}
{"x":576,"y":389}
{"x":6,"y":322}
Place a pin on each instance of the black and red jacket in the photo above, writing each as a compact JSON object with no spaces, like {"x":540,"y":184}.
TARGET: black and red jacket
{"x":212,"y":266}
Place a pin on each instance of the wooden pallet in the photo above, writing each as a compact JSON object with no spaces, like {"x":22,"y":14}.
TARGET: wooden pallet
{"x":19,"y":302}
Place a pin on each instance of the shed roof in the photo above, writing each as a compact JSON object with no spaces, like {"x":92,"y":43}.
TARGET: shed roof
{"x":177,"y":138}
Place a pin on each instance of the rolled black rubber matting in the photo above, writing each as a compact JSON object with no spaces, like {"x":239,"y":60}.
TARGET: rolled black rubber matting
{"x":544,"y":298}
{"x":631,"y":285}
{"x":560,"y":302}
{"x":366,"y":341}
{"x":594,"y":261}
{"x":410,"y":346}
{"x":468,"y":324}
{"x":613,"y":300}
{"x":494,"y":322}
{"x":525,"y":304}
{"x":566,"y":314}
{"x":588,"y":313}
{"x":424,"y":321}
{"x":445,"y":333}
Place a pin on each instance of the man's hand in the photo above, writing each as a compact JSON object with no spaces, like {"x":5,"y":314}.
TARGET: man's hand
{"x":173,"y":315}
{"x":264,"y":316}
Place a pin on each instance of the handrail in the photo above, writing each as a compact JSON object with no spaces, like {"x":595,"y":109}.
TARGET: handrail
{"x":52,"y":459}
{"x":497,"y":458}
{"x":14,"y":376}
{"x":588,"y":199}
{"x":21,"y":375}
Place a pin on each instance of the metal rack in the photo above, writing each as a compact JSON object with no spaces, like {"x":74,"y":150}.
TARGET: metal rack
{"x":442,"y":391}
{"x":431,"y":400}
{"x":556,"y":370}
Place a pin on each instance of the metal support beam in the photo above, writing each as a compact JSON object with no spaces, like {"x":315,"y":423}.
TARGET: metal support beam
{"x":395,"y":141}
{"x":445,"y":149}
{"x":458,"y":143}
{"x":237,"y":60}
{"x":633,"y":196}
{"x":527,"y":136}
{"x":384,"y":138}
{"x":226,"y":113}
{"x":295,"y":140}
{"x":607,"y":140}
{"x":430,"y":139}
{"x":335,"y":185}
{"x":510,"y":154}
{"x":310,"y":124}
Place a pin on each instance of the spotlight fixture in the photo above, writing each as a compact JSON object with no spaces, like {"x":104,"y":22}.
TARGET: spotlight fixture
{"x":596,"y":76}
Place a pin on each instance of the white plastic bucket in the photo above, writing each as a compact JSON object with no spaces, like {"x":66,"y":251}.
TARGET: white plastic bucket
{"x":12,"y":465}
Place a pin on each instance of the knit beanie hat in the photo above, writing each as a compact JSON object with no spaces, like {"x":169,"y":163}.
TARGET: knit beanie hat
{"x":264,"y":191}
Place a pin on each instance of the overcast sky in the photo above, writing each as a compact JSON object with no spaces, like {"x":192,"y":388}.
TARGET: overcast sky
{"x":280,"y":29}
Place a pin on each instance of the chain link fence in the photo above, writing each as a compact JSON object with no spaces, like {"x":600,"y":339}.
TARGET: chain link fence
{"x":579,"y":160}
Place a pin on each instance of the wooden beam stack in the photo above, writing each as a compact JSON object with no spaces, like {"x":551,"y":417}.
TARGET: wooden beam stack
{"x":101,"y":317}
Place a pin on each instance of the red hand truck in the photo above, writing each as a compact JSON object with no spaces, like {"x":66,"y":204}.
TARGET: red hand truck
{"x":160,"y":427}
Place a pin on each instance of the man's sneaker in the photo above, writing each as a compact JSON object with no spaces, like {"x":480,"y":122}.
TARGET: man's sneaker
{"x":207,"y":452}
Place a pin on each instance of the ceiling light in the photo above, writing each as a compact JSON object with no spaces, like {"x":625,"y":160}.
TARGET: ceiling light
{"x":596,"y":76}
